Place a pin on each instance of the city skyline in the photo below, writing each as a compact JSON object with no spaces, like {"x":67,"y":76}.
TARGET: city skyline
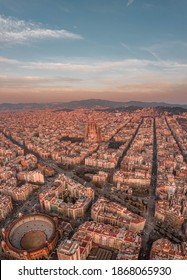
{"x":59,"y":51}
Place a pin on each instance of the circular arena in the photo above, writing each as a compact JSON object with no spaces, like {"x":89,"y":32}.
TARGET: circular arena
{"x":31,"y":237}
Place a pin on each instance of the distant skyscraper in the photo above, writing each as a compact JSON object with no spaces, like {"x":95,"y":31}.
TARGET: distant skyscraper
{"x":92,"y":132}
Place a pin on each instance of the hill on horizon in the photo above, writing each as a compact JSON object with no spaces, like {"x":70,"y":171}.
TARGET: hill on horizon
{"x":87,"y":103}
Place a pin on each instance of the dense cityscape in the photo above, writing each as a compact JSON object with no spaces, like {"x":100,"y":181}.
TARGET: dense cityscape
{"x":93,"y":184}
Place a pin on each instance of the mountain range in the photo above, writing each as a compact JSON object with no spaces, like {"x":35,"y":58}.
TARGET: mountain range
{"x":88,"y":103}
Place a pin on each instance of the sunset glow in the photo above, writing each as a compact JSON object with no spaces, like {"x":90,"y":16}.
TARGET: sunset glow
{"x":70,"y":50}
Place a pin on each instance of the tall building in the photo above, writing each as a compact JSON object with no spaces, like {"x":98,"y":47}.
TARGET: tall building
{"x":92,"y":132}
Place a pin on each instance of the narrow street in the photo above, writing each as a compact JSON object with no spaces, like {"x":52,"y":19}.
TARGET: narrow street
{"x":128,"y":146}
{"x":177,"y":141}
{"x":50,"y":162}
{"x":148,"y":235}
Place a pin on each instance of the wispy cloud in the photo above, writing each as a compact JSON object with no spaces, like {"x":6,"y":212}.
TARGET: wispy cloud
{"x":127,"y":48}
{"x":4,"y":60}
{"x":88,"y":66}
{"x":13,"y":80}
{"x":165,"y":47}
{"x":104,"y":67}
{"x":152,"y":53}
{"x":88,"y":73}
{"x":96,"y":66}
{"x":19,"y":31}
{"x":130,"y":2}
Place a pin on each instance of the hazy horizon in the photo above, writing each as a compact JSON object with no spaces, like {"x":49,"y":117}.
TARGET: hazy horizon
{"x":79,"y":100}
{"x":119,"y":50}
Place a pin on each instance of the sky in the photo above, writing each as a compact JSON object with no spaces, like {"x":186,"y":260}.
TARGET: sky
{"x":63,"y":50}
